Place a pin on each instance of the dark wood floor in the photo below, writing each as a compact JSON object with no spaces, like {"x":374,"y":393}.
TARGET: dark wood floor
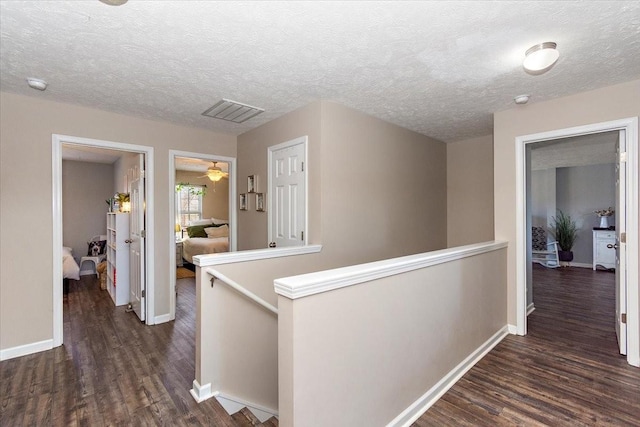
{"x":566,"y":371}
{"x":111,"y":370}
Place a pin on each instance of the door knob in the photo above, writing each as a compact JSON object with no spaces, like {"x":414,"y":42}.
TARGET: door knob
{"x":614,"y":246}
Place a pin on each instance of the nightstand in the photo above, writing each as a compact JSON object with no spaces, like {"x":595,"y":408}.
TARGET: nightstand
{"x":179,"y":260}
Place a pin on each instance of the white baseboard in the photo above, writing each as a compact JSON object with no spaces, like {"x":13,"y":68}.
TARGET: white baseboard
{"x":513,"y":329}
{"x":233,"y":404}
{"x":530,"y":309}
{"x":23,"y":350}
{"x":580,"y":264}
{"x":420,"y":406}
{"x":201,"y":392}
{"x":164,"y":318}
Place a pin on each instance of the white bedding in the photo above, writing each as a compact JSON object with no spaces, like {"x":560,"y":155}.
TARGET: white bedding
{"x":203,"y":245}
{"x":70,"y":268}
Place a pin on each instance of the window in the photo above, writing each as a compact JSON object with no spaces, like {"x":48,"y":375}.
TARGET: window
{"x":189,"y":203}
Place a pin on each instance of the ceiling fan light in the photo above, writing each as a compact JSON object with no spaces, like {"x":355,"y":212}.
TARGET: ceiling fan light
{"x":215,"y":175}
{"x":540,"y":58}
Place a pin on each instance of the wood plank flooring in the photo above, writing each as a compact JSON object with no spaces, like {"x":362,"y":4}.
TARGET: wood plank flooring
{"x":111,"y":370}
{"x":566,"y":372}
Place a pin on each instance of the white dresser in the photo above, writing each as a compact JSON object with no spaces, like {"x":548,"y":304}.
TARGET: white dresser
{"x":603,"y":255}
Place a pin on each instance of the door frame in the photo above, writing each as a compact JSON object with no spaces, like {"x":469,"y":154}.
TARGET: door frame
{"x":233,"y":223}
{"x":57,"y":142}
{"x":630,"y":126}
{"x":304,"y":141}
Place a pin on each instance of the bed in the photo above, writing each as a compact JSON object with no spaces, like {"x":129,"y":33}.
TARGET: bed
{"x":205,"y":238}
{"x":70,"y":268}
{"x":193,"y":246}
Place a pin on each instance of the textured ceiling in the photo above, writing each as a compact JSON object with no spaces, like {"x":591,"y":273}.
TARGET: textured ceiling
{"x":592,"y":149}
{"x":438,"y":68}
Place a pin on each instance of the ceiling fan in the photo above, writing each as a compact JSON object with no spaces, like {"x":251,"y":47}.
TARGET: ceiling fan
{"x":215,"y":174}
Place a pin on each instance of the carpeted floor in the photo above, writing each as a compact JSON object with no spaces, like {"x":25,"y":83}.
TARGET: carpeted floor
{"x":183,"y":273}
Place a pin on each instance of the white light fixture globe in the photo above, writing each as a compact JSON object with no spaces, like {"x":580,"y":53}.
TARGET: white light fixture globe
{"x":521,"y":99}
{"x":540,"y":58}
{"x":38,"y":84}
{"x":114,"y":2}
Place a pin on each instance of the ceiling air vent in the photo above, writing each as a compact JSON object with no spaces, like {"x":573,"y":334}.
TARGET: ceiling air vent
{"x":232,"y":111}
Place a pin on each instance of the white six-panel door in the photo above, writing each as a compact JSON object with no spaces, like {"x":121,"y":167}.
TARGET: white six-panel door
{"x":136,"y":244}
{"x":288,"y":193}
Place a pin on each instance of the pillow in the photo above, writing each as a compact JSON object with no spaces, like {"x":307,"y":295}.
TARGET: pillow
{"x":217,"y":221}
{"x":221,"y":231}
{"x":97,"y":248}
{"x":197,"y":230}
{"x":201,"y":222}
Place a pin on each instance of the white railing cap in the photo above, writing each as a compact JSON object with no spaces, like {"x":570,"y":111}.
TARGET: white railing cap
{"x":323,"y":281}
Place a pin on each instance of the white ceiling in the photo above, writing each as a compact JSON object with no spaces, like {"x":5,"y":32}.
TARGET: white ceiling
{"x":592,"y":149}
{"x":80,"y":153}
{"x":198,"y":165}
{"x":438,"y":68}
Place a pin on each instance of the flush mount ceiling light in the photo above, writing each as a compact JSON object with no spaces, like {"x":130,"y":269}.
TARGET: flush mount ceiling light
{"x":114,"y":2}
{"x":540,"y":58}
{"x":38,"y":84}
{"x":215,"y":174}
{"x":232,"y":111}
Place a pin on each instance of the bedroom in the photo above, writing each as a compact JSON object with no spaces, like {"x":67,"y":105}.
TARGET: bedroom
{"x":201,"y":201}
{"x":90,"y":177}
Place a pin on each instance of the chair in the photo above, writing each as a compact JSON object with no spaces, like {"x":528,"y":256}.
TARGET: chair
{"x":95,"y":259}
{"x":543,"y":252}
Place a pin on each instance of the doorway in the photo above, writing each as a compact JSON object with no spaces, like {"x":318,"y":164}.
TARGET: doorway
{"x":147,"y":153}
{"x":174,"y":156}
{"x":628,"y":128}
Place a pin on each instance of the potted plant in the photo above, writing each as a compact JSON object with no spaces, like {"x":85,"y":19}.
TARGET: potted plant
{"x":565,"y":231}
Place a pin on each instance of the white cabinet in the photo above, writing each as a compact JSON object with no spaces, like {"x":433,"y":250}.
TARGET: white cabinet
{"x":604,"y":255}
{"x":118,"y":257}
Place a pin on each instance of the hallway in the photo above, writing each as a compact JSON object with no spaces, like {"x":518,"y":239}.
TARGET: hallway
{"x":566,"y":371}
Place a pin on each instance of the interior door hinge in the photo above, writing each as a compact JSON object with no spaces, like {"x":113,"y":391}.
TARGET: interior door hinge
{"x":302,"y":235}
{"x":144,"y":293}
{"x":142,"y":174}
{"x":302,"y":166}
{"x":143,"y":234}
{"x":623,"y":157}
{"x":623,"y":237}
{"x":623,"y":318}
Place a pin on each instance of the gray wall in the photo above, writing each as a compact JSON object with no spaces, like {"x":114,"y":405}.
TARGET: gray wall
{"x":85,"y":187}
{"x":579,"y":191}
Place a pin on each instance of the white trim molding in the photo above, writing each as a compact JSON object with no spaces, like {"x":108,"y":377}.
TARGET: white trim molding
{"x":23,"y":350}
{"x":209,"y":260}
{"x":420,"y":406}
{"x":323,"y":281}
{"x":513,"y":330}
{"x":630,"y":128}
{"x":233,"y":404}
{"x":530,"y":309}
{"x":201,"y":392}
{"x":163,"y":318}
